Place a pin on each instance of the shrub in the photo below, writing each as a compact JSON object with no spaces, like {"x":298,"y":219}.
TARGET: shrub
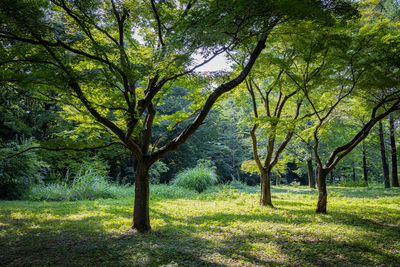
{"x":19,"y":173}
{"x":199,"y":178}
{"x":88,"y":184}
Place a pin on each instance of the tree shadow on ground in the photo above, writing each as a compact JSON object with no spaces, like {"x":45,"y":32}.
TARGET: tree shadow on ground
{"x":297,"y":247}
{"x":68,"y":245}
{"x":210,"y":240}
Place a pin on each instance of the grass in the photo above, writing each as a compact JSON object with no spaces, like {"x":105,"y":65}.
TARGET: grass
{"x":220,"y":227}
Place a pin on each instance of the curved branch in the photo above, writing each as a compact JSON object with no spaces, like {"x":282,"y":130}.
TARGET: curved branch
{"x":226,"y":87}
{"x":157,"y":16}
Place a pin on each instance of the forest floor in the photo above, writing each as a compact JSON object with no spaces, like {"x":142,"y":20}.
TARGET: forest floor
{"x":221,"y":227}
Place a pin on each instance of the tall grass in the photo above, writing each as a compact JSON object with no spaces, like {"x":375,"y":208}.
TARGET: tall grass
{"x":88,"y":185}
{"x":198,"y":178}
{"x":85,"y":185}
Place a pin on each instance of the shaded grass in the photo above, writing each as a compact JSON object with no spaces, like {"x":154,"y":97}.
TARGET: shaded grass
{"x":221,"y":228}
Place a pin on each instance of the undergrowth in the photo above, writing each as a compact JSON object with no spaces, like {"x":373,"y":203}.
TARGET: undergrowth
{"x":88,"y":185}
{"x":198,"y":178}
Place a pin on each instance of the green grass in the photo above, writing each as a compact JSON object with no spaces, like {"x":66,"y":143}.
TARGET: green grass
{"x":220,"y":227}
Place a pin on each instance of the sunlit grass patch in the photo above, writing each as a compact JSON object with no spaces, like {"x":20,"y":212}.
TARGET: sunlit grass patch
{"x":222,"y":226}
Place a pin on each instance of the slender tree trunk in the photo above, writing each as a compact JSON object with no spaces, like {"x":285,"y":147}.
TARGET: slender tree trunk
{"x":322,"y":194}
{"x":365,"y":167}
{"x":278,"y":179}
{"x":265,"y":199}
{"x":316,"y":175}
{"x":332,"y":177}
{"x":311,"y":177}
{"x":395,"y":179}
{"x":384,"y":160}
{"x":354,"y":171}
{"x":141,"y":218}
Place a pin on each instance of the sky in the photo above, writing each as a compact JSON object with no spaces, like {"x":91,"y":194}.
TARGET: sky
{"x":219,"y":63}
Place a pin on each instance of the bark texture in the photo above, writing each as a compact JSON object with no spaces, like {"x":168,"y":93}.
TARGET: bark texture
{"x":265,"y":199}
{"x":141,"y":218}
{"x":322,"y":194}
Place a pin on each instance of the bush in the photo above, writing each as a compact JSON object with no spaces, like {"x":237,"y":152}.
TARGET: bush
{"x":19,"y":173}
{"x":199,"y":178}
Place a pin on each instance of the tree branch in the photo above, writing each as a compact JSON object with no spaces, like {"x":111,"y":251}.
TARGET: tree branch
{"x":226,"y":87}
{"x":157,"y":16}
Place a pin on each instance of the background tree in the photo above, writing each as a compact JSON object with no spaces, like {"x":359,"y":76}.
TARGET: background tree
{"x":383,"y":98}
{"x":395,"y":179}
{"x":385,"y":164}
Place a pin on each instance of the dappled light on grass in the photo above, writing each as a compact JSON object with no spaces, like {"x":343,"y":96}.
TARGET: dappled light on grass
{"x":225,"y":227}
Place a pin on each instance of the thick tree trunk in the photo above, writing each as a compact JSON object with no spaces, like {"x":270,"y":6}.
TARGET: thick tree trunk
{"x":265,"y":199}
{"x":322,"y":194}
{"x":365,"y":167}
{"x":311,"y":177}
{"x":383,"y":155}
{"x":395,"y":179}
{"x":141,"y":218}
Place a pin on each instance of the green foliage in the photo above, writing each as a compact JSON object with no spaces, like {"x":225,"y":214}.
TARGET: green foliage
{"x":18,"y":174}
{"x":156,"y":170}
{"x":198,"y":178}
{"x":353,"y":184}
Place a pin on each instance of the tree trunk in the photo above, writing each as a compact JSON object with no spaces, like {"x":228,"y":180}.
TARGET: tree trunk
{"x":332,"y":177}
{"x":322,"y":194}
{"x":395,"y":179}
{"x":354,"y":171}
{"x":384,"y":160}
{"x":265,"y":199}
{"x":311,"y":177}
{"x":316,"y":175}
{"x":278,"y":180}
{"x":365,"y":167}
{"x":141,"y":218}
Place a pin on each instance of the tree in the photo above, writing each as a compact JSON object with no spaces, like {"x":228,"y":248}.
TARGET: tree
{"x":364,"y":163}
{"x":385,"y":164}
{"x":381,"y":94}
{"x":395,"y":179}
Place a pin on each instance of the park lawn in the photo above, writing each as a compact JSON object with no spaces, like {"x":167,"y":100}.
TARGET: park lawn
{"x":222,"y":227}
